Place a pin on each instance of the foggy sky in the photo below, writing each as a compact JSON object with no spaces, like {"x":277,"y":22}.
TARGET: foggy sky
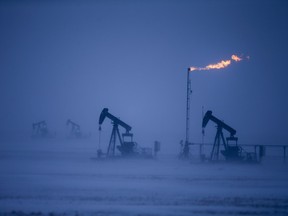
{"x":71,"y":59}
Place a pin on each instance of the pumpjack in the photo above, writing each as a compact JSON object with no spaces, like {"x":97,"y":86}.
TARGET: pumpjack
{"x":40,"y":129}
{"x":230,"y":152}
{"x":75,"y":131}
{"x":127,"y":147}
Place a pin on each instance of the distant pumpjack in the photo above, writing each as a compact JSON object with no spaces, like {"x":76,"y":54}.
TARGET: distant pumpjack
{"x":126,"y":147}
{"x":75,"y":131}
{"x":229,"y":152}
{"x":40,"y":129}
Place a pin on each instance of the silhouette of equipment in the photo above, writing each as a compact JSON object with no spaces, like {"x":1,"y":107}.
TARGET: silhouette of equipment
{"x":230,"y":152}
{"x":40,"y":129}
{"x":75,"y":131}
{"x":127,"y":145}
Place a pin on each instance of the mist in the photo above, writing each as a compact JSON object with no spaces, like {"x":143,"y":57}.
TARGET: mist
{"x":63,"y":60}
{"x":92,"y":55}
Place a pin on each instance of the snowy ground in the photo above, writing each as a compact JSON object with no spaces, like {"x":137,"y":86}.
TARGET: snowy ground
{"x":64,"y":178}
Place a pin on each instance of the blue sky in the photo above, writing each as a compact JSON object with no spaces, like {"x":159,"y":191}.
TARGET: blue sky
{"x":70,"y":59}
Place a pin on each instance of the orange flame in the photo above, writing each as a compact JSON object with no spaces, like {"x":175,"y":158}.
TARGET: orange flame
{"x":236,"y":58}
{"x":219,"y":65}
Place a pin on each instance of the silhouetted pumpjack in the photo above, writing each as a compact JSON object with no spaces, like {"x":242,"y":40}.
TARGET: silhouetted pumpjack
{"x":40,"y":129}
{"x":75,"y":129}
{"x":229,"y":152}
{"x":126,"y":147}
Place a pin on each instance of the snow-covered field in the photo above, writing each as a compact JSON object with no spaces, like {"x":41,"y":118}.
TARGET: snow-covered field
{"x":48,"y":177}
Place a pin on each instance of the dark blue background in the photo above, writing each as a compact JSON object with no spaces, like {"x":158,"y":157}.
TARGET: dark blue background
{"x":70,"y":59}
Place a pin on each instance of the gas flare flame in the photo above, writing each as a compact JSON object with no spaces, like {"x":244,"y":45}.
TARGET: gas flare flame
{"x":219,"y":65}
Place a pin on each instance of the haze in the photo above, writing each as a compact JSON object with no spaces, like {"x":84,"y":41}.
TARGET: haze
{"x":61,"y":60}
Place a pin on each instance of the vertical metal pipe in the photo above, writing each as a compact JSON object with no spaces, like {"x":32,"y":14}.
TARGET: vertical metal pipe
{"x":188,"y":107}
{"x":186,"y":145}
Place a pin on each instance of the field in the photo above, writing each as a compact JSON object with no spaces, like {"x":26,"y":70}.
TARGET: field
{"x":47,"y":177}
